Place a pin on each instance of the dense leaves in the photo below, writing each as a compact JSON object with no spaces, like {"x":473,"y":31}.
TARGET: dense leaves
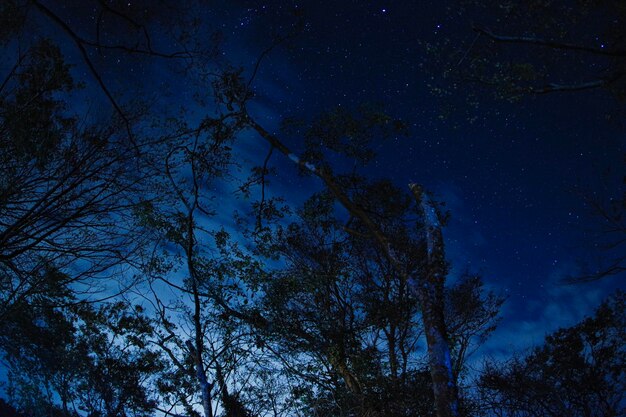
{"x":79,"y":360}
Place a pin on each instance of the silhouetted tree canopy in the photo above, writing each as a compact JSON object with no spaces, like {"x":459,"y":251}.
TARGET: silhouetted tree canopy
{"x":147,"y":269}
{"x":578,"y":371}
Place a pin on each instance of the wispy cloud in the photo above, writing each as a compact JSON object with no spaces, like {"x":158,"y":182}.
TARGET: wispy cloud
{"x":526,"y":322}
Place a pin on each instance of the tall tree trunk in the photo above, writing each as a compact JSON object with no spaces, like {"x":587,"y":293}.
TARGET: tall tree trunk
{"x":197,"y":346}
{"x":429,"y":289}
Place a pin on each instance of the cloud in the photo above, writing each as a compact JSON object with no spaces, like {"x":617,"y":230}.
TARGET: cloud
{"x":526,"y":321}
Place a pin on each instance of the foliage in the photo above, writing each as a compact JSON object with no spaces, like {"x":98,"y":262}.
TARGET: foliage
{"x":351,"y":326}
{"x":578,"y":371}
{"x":311,"y":310}
{"x":65,"y":187}
{"x":80,"y":359}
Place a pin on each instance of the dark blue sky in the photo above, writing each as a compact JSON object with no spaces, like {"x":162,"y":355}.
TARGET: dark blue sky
{"x":512,"y":178}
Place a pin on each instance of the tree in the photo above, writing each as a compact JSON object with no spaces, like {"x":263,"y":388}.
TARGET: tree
{"x":472,"y":314}
{"x":607,"y":208}
{"x":68,"y":361}
{"x":66,"y":192}
{"x":204,"y":329}
{"x":338,"y":306}
{"x":424,"y":263}
{"x":219,"y":280}
{"x":7,"y":410}
{"x":578,"y":371}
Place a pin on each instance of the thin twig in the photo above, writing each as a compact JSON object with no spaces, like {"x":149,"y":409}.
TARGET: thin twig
{"x":263,"y":172}
{"x":469,"y":49}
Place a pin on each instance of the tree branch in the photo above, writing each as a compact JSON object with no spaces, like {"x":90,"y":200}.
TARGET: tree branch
{"x":549,"y":43}
{"x":80,"y":44}
{"x":328,"y":179}
{"x":553,"y":87}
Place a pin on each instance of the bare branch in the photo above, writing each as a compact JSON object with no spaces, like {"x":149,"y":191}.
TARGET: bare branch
{"x":620,"y":53}
{"x":552,"y":88}
{"x":277,"y":42}
{"x":78,"y":41}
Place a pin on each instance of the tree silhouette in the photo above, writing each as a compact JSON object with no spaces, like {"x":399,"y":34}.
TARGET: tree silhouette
{"x":578,"y":371}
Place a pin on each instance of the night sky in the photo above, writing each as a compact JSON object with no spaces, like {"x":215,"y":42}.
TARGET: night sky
{"x":513,"y":177}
